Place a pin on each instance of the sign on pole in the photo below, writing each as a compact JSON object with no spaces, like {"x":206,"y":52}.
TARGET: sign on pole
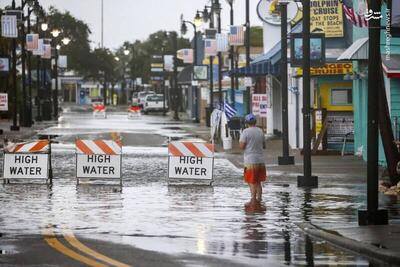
{"x":3,"y":102}
{"x":259,"y":105}
{"x":29,"y":160}
{"x":190,"y":161}
{"x":98,"y":159}
{"x":9,"y":28}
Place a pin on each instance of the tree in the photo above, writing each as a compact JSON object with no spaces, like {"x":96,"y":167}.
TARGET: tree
{"x":78,"y":50}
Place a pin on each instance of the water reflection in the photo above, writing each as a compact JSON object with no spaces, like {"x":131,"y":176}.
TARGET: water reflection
{"x":255,"y":234}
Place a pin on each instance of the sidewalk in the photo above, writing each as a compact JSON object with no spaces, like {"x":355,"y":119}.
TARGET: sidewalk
{"x":24,"y":132}
{"x":326,"y":167}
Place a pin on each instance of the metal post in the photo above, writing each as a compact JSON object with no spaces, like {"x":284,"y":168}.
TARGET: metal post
{"x":285,"y":159}
{"x":39,"y":94}
{"x":23,"y":120}
{"x":175,"y":76}
{"x":220,"y":98}
{"x":105,"y":90}
{"x":14,"y":127}
{"x":196,"y":93}
{"x":307,"y":180}
{"x":55,"y":98}
{"x":248,"y":50}
{"x":373,"y":216}
{"x":29,"y":111}
{"x":231,"y":55}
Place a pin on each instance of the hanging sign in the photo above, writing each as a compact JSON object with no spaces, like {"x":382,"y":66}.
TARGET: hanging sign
{"x":9,"y":28}
{"x":327,"y":17}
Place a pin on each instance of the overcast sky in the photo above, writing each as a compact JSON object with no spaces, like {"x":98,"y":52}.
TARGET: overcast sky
{"x":136,"y":19}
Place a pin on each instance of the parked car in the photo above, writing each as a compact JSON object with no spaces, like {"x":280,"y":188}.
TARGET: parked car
{"x":154,"y":103}
{"x":140,"y":98}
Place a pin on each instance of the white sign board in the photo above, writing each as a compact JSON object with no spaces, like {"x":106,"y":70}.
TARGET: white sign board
{"x":187,"y":167}
{"x":259,"y":104}
{"x":9,"y":28}
{"x":98,"y":166}
{"x":3,"y":102}
{"x":26,"y":166}
{"x":4,"y":64}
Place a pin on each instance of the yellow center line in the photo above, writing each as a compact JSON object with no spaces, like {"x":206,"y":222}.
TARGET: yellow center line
{"x":57,"y":245}
{"x":70,"y":237}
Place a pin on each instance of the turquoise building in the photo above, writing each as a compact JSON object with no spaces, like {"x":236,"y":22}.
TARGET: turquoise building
{"x":358,"y":52}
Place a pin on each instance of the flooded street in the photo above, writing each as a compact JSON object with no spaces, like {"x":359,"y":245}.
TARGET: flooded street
{"x":185,"y":221}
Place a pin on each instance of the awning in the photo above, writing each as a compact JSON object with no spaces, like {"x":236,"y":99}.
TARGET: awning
{"x":391,"y":66}
{"x":357,"y":51}
{"x":258,"y":69}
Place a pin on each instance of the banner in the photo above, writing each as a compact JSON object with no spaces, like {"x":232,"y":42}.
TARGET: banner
{"x":9,"y":27}
{"x":32,"y":41}
{"x":327,"y":17}
{"x":39,"y":51}
{"x":222,"y":42}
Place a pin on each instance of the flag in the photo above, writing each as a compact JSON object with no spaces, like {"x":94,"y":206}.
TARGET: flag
{"x":222,"y":42}
{"x":210,"y":47}
{"x":229,"y":110}
{"x":236,"y":35}
{"x":32,"y":41}
{"x":186,"y":55}
{"x":39,"y":51}
{"x":46,"y":51}
{"x":357,"y":19}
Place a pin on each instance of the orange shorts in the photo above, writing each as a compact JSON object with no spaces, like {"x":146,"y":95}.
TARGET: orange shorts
{"x":255,"y":173}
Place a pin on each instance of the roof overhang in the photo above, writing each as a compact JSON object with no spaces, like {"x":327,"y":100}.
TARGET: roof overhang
{"x":357,"y":51}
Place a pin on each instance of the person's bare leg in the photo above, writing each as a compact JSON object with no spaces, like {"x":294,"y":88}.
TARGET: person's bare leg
{"x":253,"y":192}
{"x":259,"y":191}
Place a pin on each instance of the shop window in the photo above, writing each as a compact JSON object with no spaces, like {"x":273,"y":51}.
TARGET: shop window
{"x":341,"y":97}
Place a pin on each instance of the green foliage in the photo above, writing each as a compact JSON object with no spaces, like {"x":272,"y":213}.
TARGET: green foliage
{"x":78,"y":50}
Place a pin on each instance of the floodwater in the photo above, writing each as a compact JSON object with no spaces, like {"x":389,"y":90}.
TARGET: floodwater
{"x":179,"y":219}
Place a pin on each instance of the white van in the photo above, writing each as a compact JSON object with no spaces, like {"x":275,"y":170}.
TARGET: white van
{"x":138,"y":98}
{"x":154,"y":103}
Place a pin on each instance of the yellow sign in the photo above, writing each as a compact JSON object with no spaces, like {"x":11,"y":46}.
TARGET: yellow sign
{"x":206,"y":61}
{"x":327,"y":15}
{"x":329,"y":69}
{"x":157,"y":65}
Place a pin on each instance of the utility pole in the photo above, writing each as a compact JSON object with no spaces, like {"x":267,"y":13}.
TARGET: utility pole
{"x":23,"y":112}
{"x":373,"y":216}
{"x":307,"y":180}
{"x":248,"y":50}
{"x":14,"y":127}
{"x":285,"y":159}
{"x":29,"y":108}
{"x":38,"y":87}
{"x":55,"y":96}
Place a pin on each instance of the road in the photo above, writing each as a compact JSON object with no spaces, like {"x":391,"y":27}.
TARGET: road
{"x":151,"y":223}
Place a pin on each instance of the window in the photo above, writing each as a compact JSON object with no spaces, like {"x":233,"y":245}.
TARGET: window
{"x":341,"y":97}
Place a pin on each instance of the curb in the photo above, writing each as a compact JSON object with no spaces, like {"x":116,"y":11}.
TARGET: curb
{"x":369,"y":251}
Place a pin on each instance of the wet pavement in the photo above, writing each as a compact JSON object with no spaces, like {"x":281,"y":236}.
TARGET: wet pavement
{"x":195,"y":225}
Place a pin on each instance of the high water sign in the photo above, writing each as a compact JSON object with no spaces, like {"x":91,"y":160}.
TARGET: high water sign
{"x":190,"y":161}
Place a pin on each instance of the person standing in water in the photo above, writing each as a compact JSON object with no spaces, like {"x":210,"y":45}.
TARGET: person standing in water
{"x":252,"y":141}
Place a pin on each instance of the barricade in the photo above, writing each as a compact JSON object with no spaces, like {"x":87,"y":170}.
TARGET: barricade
{"x":190,"y":161}
{"x":134,"y":112}
{"x":99,"y":111}
{"x":98,"y":159}
{"x":27,"y":161}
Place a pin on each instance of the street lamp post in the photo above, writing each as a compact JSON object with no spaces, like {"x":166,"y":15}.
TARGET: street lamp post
{"x":175,"y":75}
{"x":248,"y":50}
{"x":231,"y":55}
{"x":46,"y":109}
{"x":217,"y":10}
{"x":28,"y":110}
{"x":38,"y":66}
{"x":285,"y":159}
{"x":14,"y":126}
{"x":183,"y":29}
{"x":23,"y":119}
{"x":307,"y":180}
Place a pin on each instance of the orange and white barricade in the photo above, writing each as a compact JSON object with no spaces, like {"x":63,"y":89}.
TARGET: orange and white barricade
{"x":99,"y":111}
{"x":134,"y":112}
{"x":100,"y":159}
{"x":192,"y":161}
{"x":28,"y":160}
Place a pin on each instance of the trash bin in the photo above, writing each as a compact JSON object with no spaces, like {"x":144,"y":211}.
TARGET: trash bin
{"x":227,"y":143}
{"x":208,"y":116}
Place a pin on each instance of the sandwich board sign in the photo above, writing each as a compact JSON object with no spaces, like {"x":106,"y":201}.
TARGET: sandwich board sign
{"x":99,"y":159}
{"x":30,"y":160}
{"x":190,"y":161}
